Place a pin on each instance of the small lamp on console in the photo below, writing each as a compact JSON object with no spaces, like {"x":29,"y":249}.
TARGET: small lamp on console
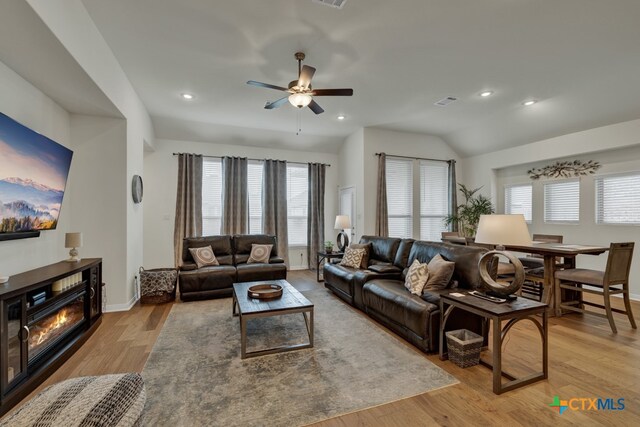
{"x":342,"y":222}
{"x":73,"y":241}
{"x":501,"y":230}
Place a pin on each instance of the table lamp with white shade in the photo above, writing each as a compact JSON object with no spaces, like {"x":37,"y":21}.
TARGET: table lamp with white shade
{"x":501,"y":231}
{"x":342,"y":222}
{"x":73,"y":241}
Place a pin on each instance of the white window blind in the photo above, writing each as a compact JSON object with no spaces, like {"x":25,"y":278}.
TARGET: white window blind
{"x":297,"y":204}
{"x":517,"y":200}
{"x":434,"y":199}
{"x":400,"y":197}
{"x":254,"y":188}
{"x":211,"y":196}
{"x":562,"y":201}
{"x":618,"y":199}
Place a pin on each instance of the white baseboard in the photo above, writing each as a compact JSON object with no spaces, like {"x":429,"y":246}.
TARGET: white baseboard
{"x":121,"y":307}
{"x":634,"y":297}
{"x":298,"y":267}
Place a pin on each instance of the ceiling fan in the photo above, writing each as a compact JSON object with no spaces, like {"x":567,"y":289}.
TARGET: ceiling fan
{"x":300,"y":91}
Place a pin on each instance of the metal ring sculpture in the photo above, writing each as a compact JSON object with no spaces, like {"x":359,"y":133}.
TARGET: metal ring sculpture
{"x":504,"y":289}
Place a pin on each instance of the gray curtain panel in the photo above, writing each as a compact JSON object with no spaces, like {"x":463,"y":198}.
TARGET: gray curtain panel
{"x":382,"y":211}
{"x":274,"y":204}
{"x":453,"y":193}
{"x":235,"y":196}
{"x":188,"y":202}
{"x":315,"y":219}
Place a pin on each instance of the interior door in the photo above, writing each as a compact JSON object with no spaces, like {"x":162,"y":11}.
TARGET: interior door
{"x":348,"y":207}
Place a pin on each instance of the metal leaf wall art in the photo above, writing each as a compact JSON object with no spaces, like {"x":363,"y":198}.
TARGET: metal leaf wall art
{"x":566,"y":169}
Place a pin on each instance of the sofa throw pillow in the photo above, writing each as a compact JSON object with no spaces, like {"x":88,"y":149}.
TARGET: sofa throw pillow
{"x":260,"y":254}
{"x":440,"y":273}
{"x":204,"y":256}
{"x":416,"y":277}
{"x":367,"y":251}
{"x":352,"y":257}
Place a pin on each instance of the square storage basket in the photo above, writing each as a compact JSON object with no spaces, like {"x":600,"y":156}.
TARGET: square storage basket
{"x":464,"y":347}
{"x":158,"y":285}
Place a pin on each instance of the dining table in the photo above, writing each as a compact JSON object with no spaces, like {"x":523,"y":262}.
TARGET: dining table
{"x":549,"y":252}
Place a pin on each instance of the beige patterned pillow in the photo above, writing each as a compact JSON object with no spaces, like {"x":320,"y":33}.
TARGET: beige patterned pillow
{"x":440,"y":273}
{"x":204,"y":256}
{"x":352,"y":257}
{"x":416,"y":277}
{"x":260,"y":254}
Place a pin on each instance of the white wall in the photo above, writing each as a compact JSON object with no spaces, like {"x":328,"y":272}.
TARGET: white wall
{"x":351,"y":174}
{"x":616,"y":147}
{"x":69,"y":21}
{"x":98,"y":176}
{"x":29,"y":106}
{"x":161,"y":171}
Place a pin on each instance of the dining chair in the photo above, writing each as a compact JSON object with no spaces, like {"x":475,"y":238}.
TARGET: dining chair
{"x":447,"y":235}
{"x":533,"y":285}
{"x":614,"y":280}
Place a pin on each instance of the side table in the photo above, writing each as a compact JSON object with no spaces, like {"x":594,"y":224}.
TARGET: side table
{"x":322,"y":257}
{"x":512,"y":312}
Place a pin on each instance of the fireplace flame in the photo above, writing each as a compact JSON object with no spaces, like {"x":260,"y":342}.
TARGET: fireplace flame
{"x":59,"y":321}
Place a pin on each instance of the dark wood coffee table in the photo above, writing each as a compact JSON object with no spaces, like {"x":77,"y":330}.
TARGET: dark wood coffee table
{"x":291,"y":302}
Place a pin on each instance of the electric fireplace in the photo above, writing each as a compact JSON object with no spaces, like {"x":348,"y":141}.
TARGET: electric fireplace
{"x":52,"y":324}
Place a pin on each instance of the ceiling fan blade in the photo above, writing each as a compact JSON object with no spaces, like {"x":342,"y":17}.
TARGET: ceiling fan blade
{"x":305,"y":76}
{"x":276,"y":104}
{"x":315,"y":107}
{"x":267,"y":85}
{"x":332,"y":92}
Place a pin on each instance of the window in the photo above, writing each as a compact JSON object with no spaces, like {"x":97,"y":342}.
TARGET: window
{"x":254,"y":188}
{"x":562,"y":201}
{"x":297,"y":204}
{"x":517,"y":200}
{"x":618,"y":199}
{"x":400,"y":197}
{"x":211,"y":196}
{"x":434,"y":199}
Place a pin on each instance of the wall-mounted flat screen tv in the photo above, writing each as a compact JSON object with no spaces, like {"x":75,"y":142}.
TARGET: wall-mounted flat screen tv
{"x":33,"y":176}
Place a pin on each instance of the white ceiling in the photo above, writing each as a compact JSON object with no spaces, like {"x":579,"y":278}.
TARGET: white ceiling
{"x":29,"y":48}
{"x":579,"y":58}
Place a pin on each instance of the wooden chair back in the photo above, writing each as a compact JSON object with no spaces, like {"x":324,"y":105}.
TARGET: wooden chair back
{"x":450,"y":234}
{"x":619,"y":263}
{"x":547,"y":238}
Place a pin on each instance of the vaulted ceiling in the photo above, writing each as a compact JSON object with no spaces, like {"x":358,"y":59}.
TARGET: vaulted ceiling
{"x":580,"y":59}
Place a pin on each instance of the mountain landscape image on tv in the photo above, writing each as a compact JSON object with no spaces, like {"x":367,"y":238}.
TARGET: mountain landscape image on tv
{"x":33,"y":176}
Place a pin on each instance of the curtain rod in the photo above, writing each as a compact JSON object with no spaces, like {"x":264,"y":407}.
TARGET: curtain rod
{"x":415,"y":158}
{"x":257,"y":160}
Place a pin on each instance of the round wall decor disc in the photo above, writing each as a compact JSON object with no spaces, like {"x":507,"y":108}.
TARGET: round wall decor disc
{"x":136,"y":189}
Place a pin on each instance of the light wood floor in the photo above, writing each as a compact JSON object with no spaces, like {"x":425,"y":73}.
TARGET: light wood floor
{"x":585,"y":360}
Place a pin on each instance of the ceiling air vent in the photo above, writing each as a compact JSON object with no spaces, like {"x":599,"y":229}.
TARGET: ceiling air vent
{"x":338,"y":4}
{"x":446,"y":101}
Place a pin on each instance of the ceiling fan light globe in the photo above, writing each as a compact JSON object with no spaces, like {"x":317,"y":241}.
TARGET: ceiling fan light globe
{"x":300,"y":100}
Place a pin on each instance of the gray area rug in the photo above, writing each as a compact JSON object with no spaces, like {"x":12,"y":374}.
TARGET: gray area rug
{"x":194,"y":375}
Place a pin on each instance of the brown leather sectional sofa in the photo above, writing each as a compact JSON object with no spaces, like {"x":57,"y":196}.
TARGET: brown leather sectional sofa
{"x":232,"y":252}
{"x":379,"y":290}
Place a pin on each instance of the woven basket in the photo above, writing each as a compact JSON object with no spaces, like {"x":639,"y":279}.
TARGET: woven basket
{"x":464,"y":347}
{"x":158,"y":285}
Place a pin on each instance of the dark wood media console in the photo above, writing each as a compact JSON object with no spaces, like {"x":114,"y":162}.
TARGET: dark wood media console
{"x":46,"y":314}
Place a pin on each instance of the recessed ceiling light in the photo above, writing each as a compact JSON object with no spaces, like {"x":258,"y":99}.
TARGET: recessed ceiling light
{"x":529,"y":102}
{"x":486,"y":93}
{"x":341,"y":117}
{"x":187,"y":96}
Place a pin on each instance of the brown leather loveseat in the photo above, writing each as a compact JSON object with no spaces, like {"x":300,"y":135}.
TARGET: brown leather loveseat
{"x":232,"y":253}
{"x":384,"y":297}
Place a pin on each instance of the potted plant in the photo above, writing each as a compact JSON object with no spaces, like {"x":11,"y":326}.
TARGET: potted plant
{"x":468,"y":213}
{"x":328,"y":246}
